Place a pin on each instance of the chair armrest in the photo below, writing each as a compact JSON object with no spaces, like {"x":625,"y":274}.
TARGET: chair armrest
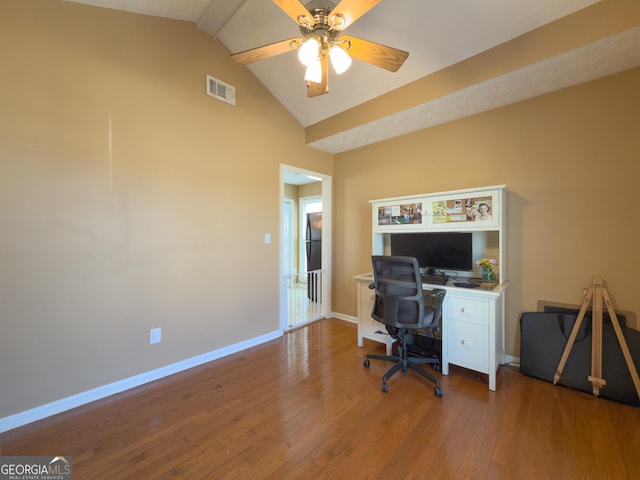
{"x":437,"y":292}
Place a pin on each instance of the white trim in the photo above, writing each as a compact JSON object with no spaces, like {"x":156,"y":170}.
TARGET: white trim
{"x":510,"y":360}
{"x":289,"y":240}
{"x":64,"y":404}
{"x":346,"y":318}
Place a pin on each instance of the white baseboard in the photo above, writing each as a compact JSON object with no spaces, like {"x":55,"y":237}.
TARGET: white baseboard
{"x":510,"y":360}
{"x":346,"y":318}
{"x":64,"y":404}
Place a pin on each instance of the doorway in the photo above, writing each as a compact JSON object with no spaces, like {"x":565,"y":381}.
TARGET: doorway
{"x":305,"y":294}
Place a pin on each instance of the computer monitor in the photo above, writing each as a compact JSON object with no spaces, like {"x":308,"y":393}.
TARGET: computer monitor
{"x":436,"y":250}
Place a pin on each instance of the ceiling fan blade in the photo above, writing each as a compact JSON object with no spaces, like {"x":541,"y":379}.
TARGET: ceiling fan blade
{"x":293,"y":8}
{"x":267,"y":51}
{"x":376,"y":54}
{"x":317,"y":89}
{"x":351,"y":10}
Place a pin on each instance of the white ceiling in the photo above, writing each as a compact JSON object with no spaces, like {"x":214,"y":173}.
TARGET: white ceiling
{"x":436,"y":33}
{"x":294,"y":178}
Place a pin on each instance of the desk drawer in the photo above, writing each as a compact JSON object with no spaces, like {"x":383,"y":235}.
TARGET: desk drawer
{"x":468,"y":310}
{"x":469,"y":345}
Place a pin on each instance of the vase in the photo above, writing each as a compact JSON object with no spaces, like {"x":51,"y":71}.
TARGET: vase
{"x":488,"y":277}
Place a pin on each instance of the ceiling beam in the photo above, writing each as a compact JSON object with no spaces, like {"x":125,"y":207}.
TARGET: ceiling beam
{"x":594,"y":23}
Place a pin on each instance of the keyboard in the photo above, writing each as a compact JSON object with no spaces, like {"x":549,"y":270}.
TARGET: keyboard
{"x":437,"y":279}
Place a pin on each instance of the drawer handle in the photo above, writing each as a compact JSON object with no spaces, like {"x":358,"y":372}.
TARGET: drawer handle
{"x":463,"y":342}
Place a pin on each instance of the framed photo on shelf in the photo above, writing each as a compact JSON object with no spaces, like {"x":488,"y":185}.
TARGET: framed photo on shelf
{"x":392,"y":216}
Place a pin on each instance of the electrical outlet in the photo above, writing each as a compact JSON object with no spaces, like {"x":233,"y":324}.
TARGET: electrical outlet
{"x":155,"y":335}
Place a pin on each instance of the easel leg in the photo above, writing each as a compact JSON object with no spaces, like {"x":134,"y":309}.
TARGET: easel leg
{"x":596,"y":341}
{"x":574,"y":334}
{"x":623,"y":343}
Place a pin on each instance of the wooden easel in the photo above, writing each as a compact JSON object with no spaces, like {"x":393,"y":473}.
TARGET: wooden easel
{"x":599,"y":294}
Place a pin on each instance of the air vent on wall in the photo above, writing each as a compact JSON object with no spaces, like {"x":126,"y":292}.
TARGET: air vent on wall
{"x":220,"y":90}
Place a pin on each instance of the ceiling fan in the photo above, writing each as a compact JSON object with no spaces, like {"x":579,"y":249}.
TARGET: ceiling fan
{"x":321,"y":24}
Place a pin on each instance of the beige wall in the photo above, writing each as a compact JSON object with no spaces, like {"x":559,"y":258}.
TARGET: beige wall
{"x":570,"y":160}
{"x":129,"y":199}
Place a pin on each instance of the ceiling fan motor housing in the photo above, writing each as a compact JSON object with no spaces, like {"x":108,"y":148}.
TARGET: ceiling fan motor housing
{"x":322,"y":28}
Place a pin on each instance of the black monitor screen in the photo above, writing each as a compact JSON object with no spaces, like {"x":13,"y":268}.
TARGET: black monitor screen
{"x":441,"y":250}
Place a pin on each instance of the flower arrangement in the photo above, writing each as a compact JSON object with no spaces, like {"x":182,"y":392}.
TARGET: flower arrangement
{"x":488,"y":277}
{"x":486,"y":263}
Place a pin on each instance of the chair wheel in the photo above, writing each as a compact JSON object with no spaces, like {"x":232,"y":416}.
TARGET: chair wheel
{"x":437,"y":367}
{"x":437,"y":391}
{"x":385,"y":387}
{"x":366,"y":363}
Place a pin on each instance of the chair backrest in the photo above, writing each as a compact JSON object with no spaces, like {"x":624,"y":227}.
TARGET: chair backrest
{"x":399,"y":298}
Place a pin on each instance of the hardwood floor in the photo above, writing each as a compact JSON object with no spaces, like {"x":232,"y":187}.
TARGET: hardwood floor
{"x":304,"y":407}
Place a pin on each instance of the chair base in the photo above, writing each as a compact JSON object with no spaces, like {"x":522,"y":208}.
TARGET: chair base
{"x":405,"y":363}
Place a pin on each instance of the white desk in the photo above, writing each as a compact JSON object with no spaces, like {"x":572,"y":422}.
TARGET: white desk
{"x":472,"y":326}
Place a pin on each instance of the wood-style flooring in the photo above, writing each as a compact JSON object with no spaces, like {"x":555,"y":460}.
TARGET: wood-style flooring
{"x":304,"y":407}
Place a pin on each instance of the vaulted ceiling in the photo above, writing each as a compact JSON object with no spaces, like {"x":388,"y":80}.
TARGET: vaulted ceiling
{"x":465,"y":57}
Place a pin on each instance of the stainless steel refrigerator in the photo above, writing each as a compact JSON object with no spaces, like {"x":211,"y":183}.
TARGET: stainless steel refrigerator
{"x":313,"y":244}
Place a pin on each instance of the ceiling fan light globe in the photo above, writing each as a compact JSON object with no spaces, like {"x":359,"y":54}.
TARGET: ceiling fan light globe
{"x":308,"y":52}
{"x":314,"y":72}
{"x":340,"y":59}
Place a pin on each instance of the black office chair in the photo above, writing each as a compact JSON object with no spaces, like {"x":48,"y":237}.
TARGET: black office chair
{"x":400,"y":305}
